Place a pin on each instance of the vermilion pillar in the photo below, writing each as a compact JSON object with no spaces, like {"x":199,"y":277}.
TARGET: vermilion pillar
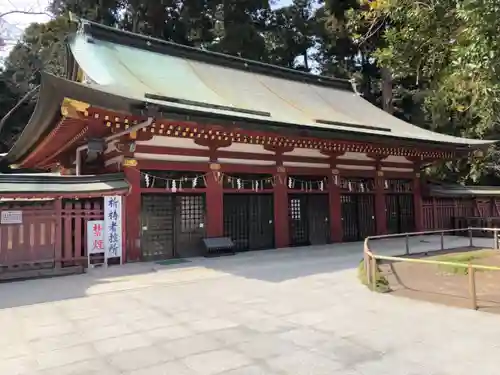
{"x":336,"y":230}
{"x":380,"y":214}
{"x":215,"y":203}
{"x":417,"y":203}
{"x":281,"y":228}
{"x":133,"y":216}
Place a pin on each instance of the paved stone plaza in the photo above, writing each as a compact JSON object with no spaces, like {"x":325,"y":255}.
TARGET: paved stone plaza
{"x":296,"y":312}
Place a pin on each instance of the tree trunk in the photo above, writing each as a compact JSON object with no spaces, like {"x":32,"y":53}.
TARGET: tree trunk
{"x":387,"y":90}
{"x":135,"y":21}
{"x":306,"y":61}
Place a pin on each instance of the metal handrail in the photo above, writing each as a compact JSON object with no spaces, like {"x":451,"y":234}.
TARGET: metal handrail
{"x":438,"y":262}
{"x":442,"y":232}
{"x":370,"y":259}
{"x":431,"y":232}
{"x":416,"y":233}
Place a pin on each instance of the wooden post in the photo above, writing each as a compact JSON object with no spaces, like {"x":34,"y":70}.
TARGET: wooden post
{"x":442,"y":240}
{"x":369,"y":270}
{"x":374,"y":272}
{"x":407,"y":245}
{"x":132,"y":201}
{"x":281,"y":220}
{"x":67,"y":247}
{"x":336,"y":227}
{"x":380,"y":209}
{"x":434,"y":214}
{"x":495,"y":239}
{"x":78,"y":241}
{"x":472,"y":286}
{"x":215,"y":202}
{"x":58,"y":254}
{"x":417,"y":200}
{"x":366,"y":266}
{"x":470,"y":238}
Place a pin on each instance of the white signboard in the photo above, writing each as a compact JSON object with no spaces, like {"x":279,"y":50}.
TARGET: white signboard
{"x":11,"y":217}
{"x":95,"y":236}
{"x":113,"y":226}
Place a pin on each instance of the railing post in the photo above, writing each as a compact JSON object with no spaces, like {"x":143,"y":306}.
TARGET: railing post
{"x":472,"y":286}
{"x":366,"y":260}
{"x":442,"y":240}
{"x":495,"y":239}
{"x":369,"y":270}
{"x":366,"y":265}
{"x":374,"y":272}
{"x":407,"y":244}
{"x":470,"y":237}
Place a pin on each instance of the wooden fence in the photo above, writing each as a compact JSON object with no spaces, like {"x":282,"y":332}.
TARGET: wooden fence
{"x":52,"y":234}
{"x":73,"y":222}
{"x":31,"y":243}
{"x":438,"y":213}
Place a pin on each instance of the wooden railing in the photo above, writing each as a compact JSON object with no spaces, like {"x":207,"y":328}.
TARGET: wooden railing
{"x":370,"y":258}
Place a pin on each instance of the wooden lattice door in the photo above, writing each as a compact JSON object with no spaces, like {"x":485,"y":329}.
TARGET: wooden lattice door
{"x":249,"y":220}
{"x":358,"y":216}
{"x":157,"y":218}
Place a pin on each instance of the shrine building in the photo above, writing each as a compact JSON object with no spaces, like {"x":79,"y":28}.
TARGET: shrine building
{"x":212,"y":145}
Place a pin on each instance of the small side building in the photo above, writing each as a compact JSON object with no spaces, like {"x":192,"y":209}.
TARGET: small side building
{"x":43,"y":220}
{"x":214,"y":145}
{"x":449,"y":206}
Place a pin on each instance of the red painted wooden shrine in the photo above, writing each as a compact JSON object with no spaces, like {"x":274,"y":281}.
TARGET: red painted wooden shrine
{"x":213,"y":145}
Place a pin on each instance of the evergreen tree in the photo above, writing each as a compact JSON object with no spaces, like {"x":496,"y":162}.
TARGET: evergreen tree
{"x":434,"y":64}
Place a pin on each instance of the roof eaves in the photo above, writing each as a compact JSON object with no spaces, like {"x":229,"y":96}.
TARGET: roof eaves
{"x":176,"y":113}
{"x":59,"y":179}
{"x":45,"y":186}
{"x":457,"y":190}
{"x":46,"y":113}
{"x":71,"y":65}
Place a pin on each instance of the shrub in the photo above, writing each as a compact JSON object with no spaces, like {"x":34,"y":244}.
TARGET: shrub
{"x":381,"y":283}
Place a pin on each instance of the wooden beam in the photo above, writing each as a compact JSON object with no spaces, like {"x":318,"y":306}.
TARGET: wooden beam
{"x":235,"y":133}
{"x":161,"y":150}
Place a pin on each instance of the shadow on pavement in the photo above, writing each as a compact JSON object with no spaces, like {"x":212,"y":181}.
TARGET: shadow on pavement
{"x":274,"y":266}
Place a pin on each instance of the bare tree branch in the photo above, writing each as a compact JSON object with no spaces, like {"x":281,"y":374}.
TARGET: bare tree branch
{"x":26,"y":97}
{"x":376,"y":25}
{"x":33,"y":13}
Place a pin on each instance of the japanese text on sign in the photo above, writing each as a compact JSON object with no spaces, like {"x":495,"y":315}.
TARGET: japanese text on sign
{"x":113,"y":226}
{"x":12,"y":217}
{"x":95,"y":236}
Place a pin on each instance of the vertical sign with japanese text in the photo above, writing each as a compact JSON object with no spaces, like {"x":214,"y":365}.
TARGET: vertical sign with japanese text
{"x":95,"y":236}
{"x":113,"y":226}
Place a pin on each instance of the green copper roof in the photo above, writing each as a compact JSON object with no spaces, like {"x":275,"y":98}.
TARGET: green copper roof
{"x":40,"y":184}
{"x":456,"y":190}
{"x":154,"y":71}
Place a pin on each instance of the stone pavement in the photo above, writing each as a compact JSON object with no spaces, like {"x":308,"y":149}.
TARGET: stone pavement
{"x":295,"y":312}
